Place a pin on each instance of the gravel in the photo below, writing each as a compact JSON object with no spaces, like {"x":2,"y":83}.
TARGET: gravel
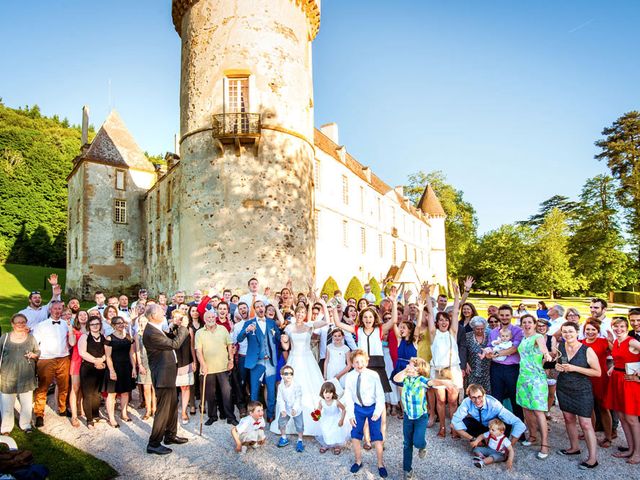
{"x":213,"y":455}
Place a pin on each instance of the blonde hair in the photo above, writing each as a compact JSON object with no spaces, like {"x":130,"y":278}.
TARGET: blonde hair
{"x":498,"y":424}
{"x":422,"y":366}
{"x":359,"y":353}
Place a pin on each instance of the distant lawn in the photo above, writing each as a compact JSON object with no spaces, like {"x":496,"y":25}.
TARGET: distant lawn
{"x":16,"y":281}
{"x":64,"y":461}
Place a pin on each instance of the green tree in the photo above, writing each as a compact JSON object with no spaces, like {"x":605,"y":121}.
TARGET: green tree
{"x":550,"y":257}
{"x":354,"y":289}
{"x":620,"y":147}
{"x":562,"y":203}
{"x":597,"y":244}
{"x":375,"y":289}
{"x":461,"y":224}
{"x":330,"y":286}
{"x":502,"y":259}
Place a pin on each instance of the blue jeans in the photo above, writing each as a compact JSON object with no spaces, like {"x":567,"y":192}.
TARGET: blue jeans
{"x":415,"y":435}
{"x":504,"y":379}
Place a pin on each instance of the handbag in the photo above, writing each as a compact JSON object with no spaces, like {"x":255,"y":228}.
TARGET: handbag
{"x":632,"y":368}
{"x":445,"y":373}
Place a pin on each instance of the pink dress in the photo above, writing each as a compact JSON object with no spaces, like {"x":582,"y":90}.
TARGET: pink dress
{"x":76,"y":359}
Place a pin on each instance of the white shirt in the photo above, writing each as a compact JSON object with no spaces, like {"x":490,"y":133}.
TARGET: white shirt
{"x":289,"y":398}
{"x":52,"y":338}
{"x":372,"y":344}
{"x":555,"y":325}
{"x":499,"y":444}
{"x":324,"y":332}
{"x":37,"y":315}
{"x":262,"y":323}
{"x":248,"y":299}
{"x":237,"y":328}
{"x":370,"y":297}
{"x":248,"y":424}
{"x":371,"y":391}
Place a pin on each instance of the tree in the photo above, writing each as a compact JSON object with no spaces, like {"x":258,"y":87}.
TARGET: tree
{"x":550,"y":257}
{"x":597,"y":244}
{"x":502,"y":259}
{"x":330,"y":286}
{"x":354,"y":289}
{"x":375,"y":289}
{"x":562,"y":203}
{"x":621,"y":149}
{"x":461,"y":224}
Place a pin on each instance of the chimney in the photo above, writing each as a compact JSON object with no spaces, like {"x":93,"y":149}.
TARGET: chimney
{"x":331,"y":131}
{"x":85,"y":126}
{"x":176,"y":145}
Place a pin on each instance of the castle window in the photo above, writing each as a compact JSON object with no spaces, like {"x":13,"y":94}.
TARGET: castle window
{"x":415,"y":255}
{"x":78,"y":211}
{"x":158,"y":247}
{"x":158,"y":202}
{"x":422,"y":257}
{"x":120,"y":211}
{"x":120,"y":179}
{"x":169,"y":237}
{"x":393,"y":254}
{"x":379,"y":209}
{"x":76,"y":249}
{"x":69,"y":253}
{"x":316,"y":221}
{"x":150,"y":252}
{"x":317,"y":175}
{"x":362,"y":199}
{"x":345,"y":190}
{"x":380,"y":246}
{"x":118,"y":248}
{"x":406,"y":254}
{"x":363,"y":239}
{"x":393,"y":216}
{"x":169,"y":194}
{"x":345,"y":231}
{"x":237,"y":103}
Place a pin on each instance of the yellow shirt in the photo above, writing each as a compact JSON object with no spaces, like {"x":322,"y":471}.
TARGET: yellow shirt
{"x":424,"y":346}
{"x":213,"y":346}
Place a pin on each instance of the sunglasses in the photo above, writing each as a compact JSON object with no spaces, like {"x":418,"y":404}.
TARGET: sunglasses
{"x":35,"y":292}
{"x":287,"y":374}
{"x":118,"y":324}
{"x":95,"y":324}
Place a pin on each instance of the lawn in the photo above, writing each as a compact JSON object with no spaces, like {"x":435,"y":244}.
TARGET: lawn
{"x":65,"y":461}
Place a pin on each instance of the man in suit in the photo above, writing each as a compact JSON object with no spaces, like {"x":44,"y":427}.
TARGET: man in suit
{"x":261,"y":359}
{"x":163,"y":363}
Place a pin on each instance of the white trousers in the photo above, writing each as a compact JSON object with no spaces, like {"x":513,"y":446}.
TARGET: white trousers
{"x":8,"y":402}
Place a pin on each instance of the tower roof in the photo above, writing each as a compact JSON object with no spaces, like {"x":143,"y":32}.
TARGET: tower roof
{"x":114,"y":145}
{"x":311,"y":9}
{"x":430,"y":204}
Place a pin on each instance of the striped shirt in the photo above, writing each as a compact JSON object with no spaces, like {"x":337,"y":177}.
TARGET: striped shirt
{"x":414,"y":396}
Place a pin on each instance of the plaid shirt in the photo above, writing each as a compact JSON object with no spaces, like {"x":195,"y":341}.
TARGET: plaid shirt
{"x":414,"y":396}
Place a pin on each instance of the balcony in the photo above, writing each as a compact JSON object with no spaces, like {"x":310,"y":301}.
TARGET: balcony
{"x":238,"y":128}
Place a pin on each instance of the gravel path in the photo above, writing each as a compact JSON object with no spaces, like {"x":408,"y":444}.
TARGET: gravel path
{"x":212,"y":455}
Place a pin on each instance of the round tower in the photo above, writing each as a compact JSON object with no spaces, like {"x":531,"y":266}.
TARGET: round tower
{"x":246,"y":142}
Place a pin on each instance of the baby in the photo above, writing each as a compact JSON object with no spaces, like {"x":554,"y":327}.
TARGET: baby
{"x":498,"y":447}
{"x":499,"y":344}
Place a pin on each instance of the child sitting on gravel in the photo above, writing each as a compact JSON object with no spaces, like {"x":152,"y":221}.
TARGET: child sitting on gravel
{"x":250,"y":431}
{"x":498,"y":447}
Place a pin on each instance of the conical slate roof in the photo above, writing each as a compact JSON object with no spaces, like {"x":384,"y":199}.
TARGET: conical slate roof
{"x":430,"y":204}
{"x":115,"y":145}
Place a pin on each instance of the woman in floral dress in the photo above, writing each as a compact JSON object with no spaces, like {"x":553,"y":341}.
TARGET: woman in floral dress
{"x":532,"y":390}
{"x":477,"y":368}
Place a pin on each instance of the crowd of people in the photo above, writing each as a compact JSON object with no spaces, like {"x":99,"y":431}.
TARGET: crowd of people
{"x":331,"y":368}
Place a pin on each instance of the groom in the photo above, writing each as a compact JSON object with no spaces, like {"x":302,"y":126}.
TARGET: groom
{"x":261,"y":359}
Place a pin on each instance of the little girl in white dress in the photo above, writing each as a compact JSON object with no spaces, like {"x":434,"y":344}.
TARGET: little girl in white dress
{"x":334,"y":431}
{"x":338,"y":361}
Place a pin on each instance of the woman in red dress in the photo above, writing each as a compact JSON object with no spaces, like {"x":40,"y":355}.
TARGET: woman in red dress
{"x":623,"y":395}
{"x":600,"y":384}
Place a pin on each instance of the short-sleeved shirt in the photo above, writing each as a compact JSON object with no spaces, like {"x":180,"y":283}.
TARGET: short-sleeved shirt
{"x":248,"y":424}
{"x":414,"y":396}
{"x":499,"y":444}
{"x":516,"y":338}
{"x":214,"y":348}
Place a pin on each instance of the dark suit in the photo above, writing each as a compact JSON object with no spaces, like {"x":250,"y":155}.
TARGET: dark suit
{"x":164,"y":370}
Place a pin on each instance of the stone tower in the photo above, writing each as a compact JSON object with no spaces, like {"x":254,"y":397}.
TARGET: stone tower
{"x":246,"y":142}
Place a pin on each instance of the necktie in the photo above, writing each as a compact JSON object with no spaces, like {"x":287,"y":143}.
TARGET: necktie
{"x":480,"y":415}
{"x":358,"y":389}
{"x":252,"y":312}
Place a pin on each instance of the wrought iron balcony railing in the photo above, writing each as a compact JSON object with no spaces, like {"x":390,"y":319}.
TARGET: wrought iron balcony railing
{"x":236,"y":125}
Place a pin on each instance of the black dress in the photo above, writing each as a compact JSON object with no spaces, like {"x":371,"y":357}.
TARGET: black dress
{"x":92,"y":379}
{"x":121,"y":364}
{"x":574,"y":391}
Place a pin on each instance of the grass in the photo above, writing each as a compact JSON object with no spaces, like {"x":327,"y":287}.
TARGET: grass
{"x":64,"y":461}
{"x":16,"y":281}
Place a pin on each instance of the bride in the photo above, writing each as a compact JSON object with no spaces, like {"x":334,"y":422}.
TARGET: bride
{"x":306,"y":371}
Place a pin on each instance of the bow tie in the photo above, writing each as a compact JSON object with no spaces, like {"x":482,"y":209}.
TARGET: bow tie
{"x":55,"y":322}
{"x":257,"y":422}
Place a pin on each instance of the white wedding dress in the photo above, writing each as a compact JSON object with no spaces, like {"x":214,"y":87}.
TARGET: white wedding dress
{"x":306,"y":374}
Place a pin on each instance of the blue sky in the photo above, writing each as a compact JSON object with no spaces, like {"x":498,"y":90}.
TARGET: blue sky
{"x":506,"y":98}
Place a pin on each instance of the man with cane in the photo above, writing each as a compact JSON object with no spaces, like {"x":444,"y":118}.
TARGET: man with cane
{"x":163,"y":364}
{"x":215,"y":355}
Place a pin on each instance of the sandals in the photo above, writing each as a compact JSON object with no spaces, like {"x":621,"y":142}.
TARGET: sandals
{"x":605,"y":443}
{"x":633,"y":462}
{"x":443,"y":432}
{"x":454,"y":434}
{"x":337,"y":451}
{"x":323,"y":450}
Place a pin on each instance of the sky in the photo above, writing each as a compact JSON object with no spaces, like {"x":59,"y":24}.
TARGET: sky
{"x":505,"y":98}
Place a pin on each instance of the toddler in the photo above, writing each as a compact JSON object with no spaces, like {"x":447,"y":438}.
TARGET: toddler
{"x":250,"y":431}
{"x":498,"y":446}
{"x":289,"y":404}
{"x":332,"y":413}
{"x":499,"y":344}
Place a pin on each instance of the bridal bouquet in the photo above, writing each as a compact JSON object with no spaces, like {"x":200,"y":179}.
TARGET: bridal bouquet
{"x":316,"y":414}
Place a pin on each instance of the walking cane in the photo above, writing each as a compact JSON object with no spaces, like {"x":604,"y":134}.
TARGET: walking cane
{"x":202,"y":400}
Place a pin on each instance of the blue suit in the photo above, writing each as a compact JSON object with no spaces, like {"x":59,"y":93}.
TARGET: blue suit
{"x":260,"y":346}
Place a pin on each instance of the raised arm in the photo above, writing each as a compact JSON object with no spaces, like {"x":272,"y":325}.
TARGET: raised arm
{"x":344,"y":326}
{"x":456,"y":309}
{"x":394,"y":316}
{"x":431,"y":320}
{"x":468,"y":283}
{"x":279,"y":316}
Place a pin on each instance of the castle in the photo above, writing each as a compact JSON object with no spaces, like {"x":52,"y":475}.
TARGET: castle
{"x":255,"y":189}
